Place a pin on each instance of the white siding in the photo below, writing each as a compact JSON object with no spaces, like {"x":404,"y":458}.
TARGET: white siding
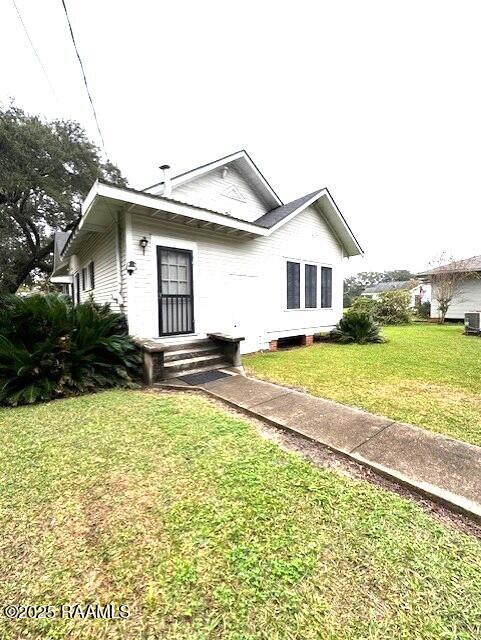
{"x":239,"y":284}
{"x":99,"y":248}
{"x":209,"y":191}
{"x":468,"y":299}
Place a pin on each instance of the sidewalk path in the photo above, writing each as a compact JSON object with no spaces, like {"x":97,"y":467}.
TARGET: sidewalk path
{"x":444,"y":469}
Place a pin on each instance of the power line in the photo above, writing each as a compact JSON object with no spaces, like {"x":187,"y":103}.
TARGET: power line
{"x":83,"y":73}
{"x":33,"y":48}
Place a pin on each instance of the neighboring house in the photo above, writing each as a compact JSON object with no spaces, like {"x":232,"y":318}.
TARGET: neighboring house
{"x":211,"y":250}
{"x":468,"y":294}
{"x":420,"y":292}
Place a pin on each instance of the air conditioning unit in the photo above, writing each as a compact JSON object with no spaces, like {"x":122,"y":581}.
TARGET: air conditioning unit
{"x":472,"y":322}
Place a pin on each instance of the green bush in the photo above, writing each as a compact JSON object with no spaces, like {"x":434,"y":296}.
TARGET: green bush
{"x":363,"y":303}
{"x":392,"y":307}
{"x":356,"y":326}
{"x":423,"y":310}
{"x":50,"y":349}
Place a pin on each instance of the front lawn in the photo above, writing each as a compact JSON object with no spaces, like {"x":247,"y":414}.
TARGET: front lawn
{"x":206,"y":530}
{"x":429,"y":375}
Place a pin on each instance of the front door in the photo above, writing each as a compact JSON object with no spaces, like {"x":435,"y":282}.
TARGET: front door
{"x":176,"y":304}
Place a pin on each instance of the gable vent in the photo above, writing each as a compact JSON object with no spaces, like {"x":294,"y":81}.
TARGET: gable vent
{"x":234,"y":193}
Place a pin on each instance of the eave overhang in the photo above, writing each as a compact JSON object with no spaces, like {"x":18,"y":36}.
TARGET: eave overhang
{"x":104,"y":202}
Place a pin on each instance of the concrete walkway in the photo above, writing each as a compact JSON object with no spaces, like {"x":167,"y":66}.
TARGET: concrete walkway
{"x":446,"y":470}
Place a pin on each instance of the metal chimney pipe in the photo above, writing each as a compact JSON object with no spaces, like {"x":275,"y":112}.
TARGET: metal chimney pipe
{"x":167,"y":183}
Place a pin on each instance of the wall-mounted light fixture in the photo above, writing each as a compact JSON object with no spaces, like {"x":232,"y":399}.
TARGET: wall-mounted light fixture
{"x":131,"y":267}
{"x":143,"y":243}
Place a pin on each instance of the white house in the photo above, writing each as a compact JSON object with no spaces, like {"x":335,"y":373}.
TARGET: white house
{"x":467,"y":289}
{"x":419,"y":291}
{"x":213,"y":250}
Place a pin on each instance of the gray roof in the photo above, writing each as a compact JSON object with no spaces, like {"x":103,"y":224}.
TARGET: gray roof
{"x":60,"y":240}
{"x":274,"y":216}
{"x":395,"y":285}
{"x":470,"y":264}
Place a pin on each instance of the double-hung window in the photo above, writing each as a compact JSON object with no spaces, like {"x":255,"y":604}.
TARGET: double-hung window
{"x":77,"y":288}
{"x":293,"y":285}
{"x":310,"y":286}
{"x":326,"y":287}
{"x":88,"y":277}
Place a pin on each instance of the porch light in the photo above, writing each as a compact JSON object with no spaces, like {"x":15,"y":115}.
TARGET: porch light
{"x":131,"y":267}
{"x":143,"y":243}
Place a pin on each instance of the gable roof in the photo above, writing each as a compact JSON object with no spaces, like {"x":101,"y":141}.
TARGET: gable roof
{"x":274,"y":216}
{"x":241,"y":160}
{"x":470,"y":264}
{"x":105,"y":200}
{"x":395,"y":285}
{"x":325,"y":203}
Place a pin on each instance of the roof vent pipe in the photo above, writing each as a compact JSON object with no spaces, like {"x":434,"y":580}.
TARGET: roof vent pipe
{"x":167,"y":182}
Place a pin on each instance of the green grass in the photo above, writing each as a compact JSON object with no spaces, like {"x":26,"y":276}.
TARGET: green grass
{"x":206,"y":530}
{"x":429,"y":375}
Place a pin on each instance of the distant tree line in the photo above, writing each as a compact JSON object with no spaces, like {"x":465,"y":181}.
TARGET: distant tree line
{"x":355,"y":285}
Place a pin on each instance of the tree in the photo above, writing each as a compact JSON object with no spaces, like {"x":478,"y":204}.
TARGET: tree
{"x":46,"y":170}
{"x":448,"y":279}
{"x":355,"y":285}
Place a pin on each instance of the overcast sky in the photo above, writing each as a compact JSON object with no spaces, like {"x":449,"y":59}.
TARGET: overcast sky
{"x":379,"y":101}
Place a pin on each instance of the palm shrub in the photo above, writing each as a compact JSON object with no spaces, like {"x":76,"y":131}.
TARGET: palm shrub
{"x":356,"y":326}
{"x":49,"y":349}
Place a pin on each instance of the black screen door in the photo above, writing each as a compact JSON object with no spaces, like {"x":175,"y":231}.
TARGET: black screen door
{"x":176,"y":303}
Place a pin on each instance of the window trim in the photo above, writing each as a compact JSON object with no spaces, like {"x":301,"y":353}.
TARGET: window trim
{"x":303,"y":262}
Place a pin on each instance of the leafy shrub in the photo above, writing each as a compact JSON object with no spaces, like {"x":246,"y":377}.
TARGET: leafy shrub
{"x":365,"y":304}
{"x":49,"y":349}
{"x":423,"y":310}
{"x":356,"y":326}
{"x":392,"y":307}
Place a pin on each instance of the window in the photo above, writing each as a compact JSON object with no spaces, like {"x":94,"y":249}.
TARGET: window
{"x":92,"y":275}
{"x":326,"y":287}
{"x":88,"y":281}
{"x":293,"y":285}
{"x":310,"y":300}
{"x":77,"y":288}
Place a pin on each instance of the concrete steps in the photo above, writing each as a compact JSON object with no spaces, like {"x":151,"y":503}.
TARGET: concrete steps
{"x":196,"y":356}
{"x":193,"y":352}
